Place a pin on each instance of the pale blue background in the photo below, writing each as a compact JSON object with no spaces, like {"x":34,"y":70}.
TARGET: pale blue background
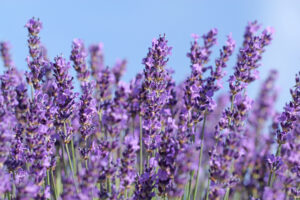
{"x":127,"y":27}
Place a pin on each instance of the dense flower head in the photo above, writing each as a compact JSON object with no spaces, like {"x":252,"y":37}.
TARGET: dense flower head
{"x":263,"y":106}
{"x":87,"y":109}
{"x":154,"y":89}
{"x":249,"y":57}
{"x":34,"y":26}
{"x":36,"y":63}
{"x":64,"y":97}
{"x":127,"y":171}
{"x":145,"y":183}
{"x":5,"y":54}
{"x":288,"y":117}
{"x":195,"y":90}
{"x":134,"y":97}
{"x":119,"y":69}
{"x":274,"y":163}
{"x":168,"y":150}
{"x":78,"y":56}
{"x":97,"y":59}
{"x":103,"y":85}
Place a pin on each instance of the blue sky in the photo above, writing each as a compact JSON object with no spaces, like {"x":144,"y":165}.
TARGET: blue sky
{"x":127,"y":27}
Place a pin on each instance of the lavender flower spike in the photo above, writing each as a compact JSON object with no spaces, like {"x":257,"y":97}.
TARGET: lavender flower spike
{"x":78,"y":56}
{"x":5,"y":54}
{"x":35,"y":75}
{"x":154,"y":87}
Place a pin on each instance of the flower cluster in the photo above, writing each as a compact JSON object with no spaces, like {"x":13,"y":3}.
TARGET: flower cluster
{"x":151,"y":138}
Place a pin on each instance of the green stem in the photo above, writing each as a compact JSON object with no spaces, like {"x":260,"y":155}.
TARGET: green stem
{"x":32,"y":91}
{"x":73,"y":156}
{"x":269,"y":179}
{"x":126,"y":194}
{"x":69,"y":158}
{"x":192,"y":172}
{"x":63,"y":157}
{"x":231,"y":109}
{"x":227,"y":193}
{"x":190,"y":184}
{"x":208,"y":188}
{"x":200,"y":157}
{"x":141,"y":145}
{"x":228,"y":188}
{"x":54,"y":185}
{"x":108,"y":185}
{"x":272,"y":176}
{"x":9,"y":196}
{"x":86,"y":164}
{"x":86,"y":160}
{"x":48,"y":177}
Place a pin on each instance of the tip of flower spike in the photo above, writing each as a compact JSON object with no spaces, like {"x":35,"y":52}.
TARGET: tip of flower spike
{"x":96,"y":47}
{"x":230,"y":41}
{"x":34,"y":26}
{"x":269,"y":30}
{"x":195,"y":36}
{"x":77,"y":42}
{"x":253,"y":26}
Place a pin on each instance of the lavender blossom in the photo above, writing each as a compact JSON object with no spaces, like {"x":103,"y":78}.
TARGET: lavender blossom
{"x":128,"y":172}
{"x":97,"y":59}
{"x":145,"y":183}
{"x":87,"y":110}
{"x":119,"y":69}
{"x":5,"y":54}
{"x":78,"y":56}
{"x":35,"y":64}
{"x":154,"y":88}
{"x":65,"y":97}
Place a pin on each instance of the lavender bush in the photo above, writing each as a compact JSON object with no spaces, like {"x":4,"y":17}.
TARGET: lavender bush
{"x":150,"y":138}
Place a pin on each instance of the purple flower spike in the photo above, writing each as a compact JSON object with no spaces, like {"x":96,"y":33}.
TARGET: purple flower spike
{"x":87,"y":109}
{"x":5,"y":54}
{"x":97,"y":59}
{"x":154,"y":90}
{"x":78,"y":56}
{"x":274,"y":163}
{"x":119,"y":69}
{"x":128,"y":172}
{"x":34,"y":26}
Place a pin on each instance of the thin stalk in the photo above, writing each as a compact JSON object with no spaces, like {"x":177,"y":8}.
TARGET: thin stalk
{"x":86,"y":160}
{"x":190,"y":184}
{"x":32,"y":90}
{"x":227,"y":193}
{"x":200,"y":157}
{"x":272,"y":175}
{"x":48,"y":177}
{"x":54,"y":185}
{"x":141,"y":145}
{"x":63,"y":157}
{"x":100,"y":120}
{"x":14,"y":185}
{"x":231,"y":109}
{"x":192,"y":173}
{"x":226,"y":196}
{"x":70,"y":161}
{"x":208,"y":188}
{"x":126,"y":194}
{"x":69,"y":158}
{"x":108,"y":185}
{"x":9,"y":196}
{"x":73,"y":156}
